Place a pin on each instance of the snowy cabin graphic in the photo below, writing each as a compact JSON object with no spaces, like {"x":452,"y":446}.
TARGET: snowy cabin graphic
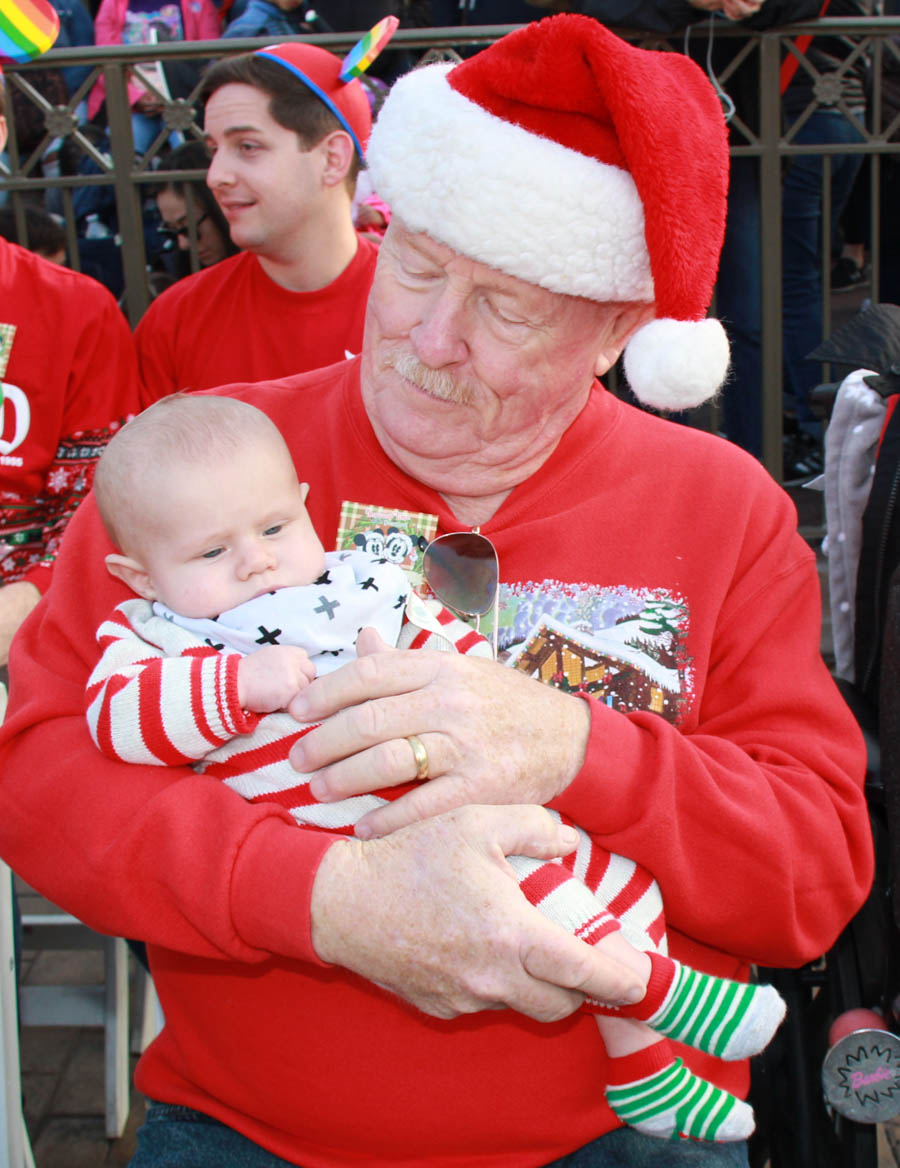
{"x":613,"y":664}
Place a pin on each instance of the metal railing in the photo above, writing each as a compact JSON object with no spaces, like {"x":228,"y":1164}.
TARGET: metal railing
{"x":130,"y":177}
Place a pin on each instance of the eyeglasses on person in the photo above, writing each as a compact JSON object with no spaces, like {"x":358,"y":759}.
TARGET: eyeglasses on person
{"x":173,"y":234}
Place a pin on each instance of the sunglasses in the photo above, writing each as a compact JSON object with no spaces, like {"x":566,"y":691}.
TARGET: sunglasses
{"x":463,"y":572}
{"x":183,"y":232}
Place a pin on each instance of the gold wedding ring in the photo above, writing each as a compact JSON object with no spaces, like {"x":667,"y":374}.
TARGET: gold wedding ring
{"x":420,"y":754}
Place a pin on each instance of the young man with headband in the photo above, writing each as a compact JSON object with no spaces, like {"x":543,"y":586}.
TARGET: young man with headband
{"x":287,"y":138}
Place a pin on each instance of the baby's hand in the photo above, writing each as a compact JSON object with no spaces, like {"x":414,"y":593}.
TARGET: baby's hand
{"x":270,"y":677}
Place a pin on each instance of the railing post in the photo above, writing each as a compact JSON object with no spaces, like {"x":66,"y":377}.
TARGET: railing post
{"x":770,"y":252}
{"x":128,"y":194}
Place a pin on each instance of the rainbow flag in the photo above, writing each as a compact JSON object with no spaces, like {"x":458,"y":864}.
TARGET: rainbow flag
{"x":28,"y":28}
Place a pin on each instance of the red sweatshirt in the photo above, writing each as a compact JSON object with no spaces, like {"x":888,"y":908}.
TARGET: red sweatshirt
{"x":69,"y":378}
{"x":230,"y":322}
{"x":662,"y":569}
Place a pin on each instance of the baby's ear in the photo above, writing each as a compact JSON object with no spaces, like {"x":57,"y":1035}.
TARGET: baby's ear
{"x":133,"y":574}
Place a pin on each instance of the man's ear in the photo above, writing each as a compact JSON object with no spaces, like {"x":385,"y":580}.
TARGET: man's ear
{"x":132,"y":574}
{"x":622,"y":326}
{"x":337,"y":154}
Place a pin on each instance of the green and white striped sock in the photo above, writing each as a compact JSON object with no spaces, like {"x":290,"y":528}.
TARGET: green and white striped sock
{"x":728,"y":1019}
{"x":673,"y":1103}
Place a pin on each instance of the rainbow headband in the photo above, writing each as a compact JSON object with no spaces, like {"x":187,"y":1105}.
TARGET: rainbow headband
{"x":353,"y":66}
{"x":28,"y":28}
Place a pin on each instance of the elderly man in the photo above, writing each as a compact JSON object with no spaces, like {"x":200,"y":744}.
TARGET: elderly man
{"x":393,"y":999}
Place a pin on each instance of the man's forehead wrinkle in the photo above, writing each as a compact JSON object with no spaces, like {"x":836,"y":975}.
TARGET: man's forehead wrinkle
{"x":484,"y":275}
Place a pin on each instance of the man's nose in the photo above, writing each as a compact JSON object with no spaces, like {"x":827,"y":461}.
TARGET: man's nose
{"x":218,"y":173}
{"x":440,"y":337}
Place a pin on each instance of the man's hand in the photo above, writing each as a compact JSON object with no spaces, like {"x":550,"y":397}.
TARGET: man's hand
{"x":434,"y":914}
{"x":733,"y":9}
{"x":16,"y":602}
{"x":271,"y":676}
{"x":492,"y":734}
{"x":741,"y":9}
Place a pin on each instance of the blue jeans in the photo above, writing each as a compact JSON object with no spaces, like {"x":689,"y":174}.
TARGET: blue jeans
{"x":802,"y":255}
{"x":178,"y":1137}
{"x":739,"y":306}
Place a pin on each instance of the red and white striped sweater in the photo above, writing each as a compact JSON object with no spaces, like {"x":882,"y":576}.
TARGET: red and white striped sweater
{"x":160,"y":695}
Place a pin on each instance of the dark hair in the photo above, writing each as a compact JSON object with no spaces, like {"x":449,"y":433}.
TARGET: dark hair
{"x":43,"y":234}
{"x":193,"y":155}
{"x":292,"y":105}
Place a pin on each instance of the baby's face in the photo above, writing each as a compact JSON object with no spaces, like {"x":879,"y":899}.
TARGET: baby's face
{"x":224,"y":534}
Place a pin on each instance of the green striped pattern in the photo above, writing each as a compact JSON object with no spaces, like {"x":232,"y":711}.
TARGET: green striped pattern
{"x":674,"y":1102}
{"x":703,"y":1011}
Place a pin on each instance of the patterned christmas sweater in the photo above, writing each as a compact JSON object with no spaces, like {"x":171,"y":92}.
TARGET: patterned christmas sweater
{"x":165,"y":692}
{"x":68,"y":375}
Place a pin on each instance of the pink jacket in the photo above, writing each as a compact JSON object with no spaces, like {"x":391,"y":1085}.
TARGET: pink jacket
{"x":200,"y":18}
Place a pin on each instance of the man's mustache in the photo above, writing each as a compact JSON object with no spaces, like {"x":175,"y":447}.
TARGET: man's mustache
{"x":438,"y":382}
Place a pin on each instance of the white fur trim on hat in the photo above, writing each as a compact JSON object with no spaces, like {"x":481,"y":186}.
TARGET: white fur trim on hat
{"x":499,"y":194}
{"x":677,"y":364}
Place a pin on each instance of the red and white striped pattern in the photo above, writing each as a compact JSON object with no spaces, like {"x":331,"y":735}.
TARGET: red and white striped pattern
{"x":593,"y":892}
{"x":159,"y":696}
{"x":162,"y":701}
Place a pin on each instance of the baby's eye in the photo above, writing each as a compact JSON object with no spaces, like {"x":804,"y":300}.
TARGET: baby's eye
{"x":213,"y":553}
{"x":274,"y":529}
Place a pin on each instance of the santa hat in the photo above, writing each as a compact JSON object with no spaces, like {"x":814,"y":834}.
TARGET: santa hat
{"x":320,"y":71}
{"x":568,"y":158}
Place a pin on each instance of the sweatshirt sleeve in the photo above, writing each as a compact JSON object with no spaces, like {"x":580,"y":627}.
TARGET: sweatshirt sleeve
{"x":752,"y":817}
{"x":145,"y":705}
{"x":160,"y":853}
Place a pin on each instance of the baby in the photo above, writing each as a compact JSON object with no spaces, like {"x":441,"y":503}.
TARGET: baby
{"x":240,"y":608}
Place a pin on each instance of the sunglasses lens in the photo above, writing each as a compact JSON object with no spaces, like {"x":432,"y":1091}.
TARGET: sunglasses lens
{"x":462,"y":571}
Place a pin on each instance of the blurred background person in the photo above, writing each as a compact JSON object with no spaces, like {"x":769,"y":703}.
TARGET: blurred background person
{"x":44,"y":234}
{"x":142,"y":22}
{"x":213,"y":238}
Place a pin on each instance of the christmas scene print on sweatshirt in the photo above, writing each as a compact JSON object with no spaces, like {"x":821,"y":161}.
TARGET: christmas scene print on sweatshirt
{"x":626,"y":647}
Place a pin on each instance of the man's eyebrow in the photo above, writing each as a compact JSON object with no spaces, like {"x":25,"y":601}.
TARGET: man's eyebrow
{"x":230,"y":132}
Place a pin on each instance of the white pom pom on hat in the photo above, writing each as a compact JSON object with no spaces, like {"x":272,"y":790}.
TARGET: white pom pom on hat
{"x":568,"y":158}
{"x":681,"y":363}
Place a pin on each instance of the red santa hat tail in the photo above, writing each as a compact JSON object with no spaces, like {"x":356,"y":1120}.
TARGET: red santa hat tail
{"x":568,"y":158}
